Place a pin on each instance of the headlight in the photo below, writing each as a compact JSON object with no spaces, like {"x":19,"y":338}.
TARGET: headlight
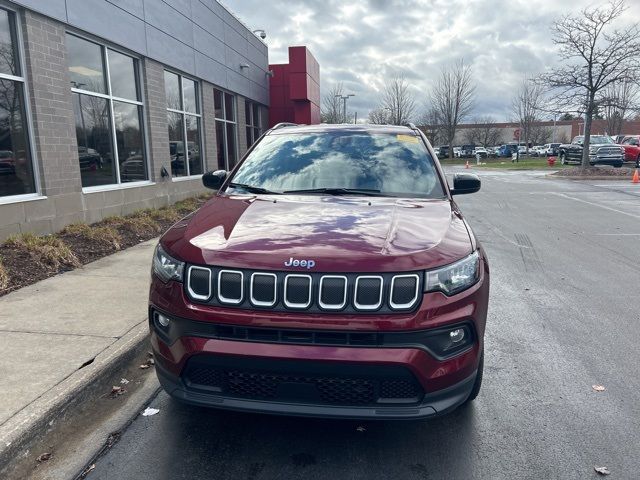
{"x":593,"y":150}
{"x":167,"y":267}
{"x":454,"y":278}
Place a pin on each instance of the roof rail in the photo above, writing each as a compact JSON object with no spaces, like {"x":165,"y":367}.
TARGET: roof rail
{"x":283,"y":124}
{"x":412,"y":126}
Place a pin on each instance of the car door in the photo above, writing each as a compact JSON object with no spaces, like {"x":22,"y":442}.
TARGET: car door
{"x":631,"y":148}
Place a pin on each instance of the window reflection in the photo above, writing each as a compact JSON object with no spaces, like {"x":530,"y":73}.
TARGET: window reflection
{"x":86,"y":67}
{"x":8,"y":56}
{"x":98,"y":150}
{"x":176,"y":144}
{"x":16,"y":171}
{"x":94,"y":140}
{"x":123,"y":76}
{"x":172,"y":90}
{"x":193,"y":143}
{"x":392,"y":164}
{"x":133,"y":167}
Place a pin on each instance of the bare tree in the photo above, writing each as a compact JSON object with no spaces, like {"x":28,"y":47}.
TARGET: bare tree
{"x":397,"y":105}
{"x":452,"y":97}
{"x":595,"y":56}
{"x":620,"y":99}
{"x":487,"y":133}
{"x":331,"y":111}
{"x":379,"y":116}
{"x":431,"y":126}
{"x":525,"y":106}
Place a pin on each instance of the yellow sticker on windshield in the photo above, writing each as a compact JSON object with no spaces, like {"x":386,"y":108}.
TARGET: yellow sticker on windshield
{"x":407,"y":138}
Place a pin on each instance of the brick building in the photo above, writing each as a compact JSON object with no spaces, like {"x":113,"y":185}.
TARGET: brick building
{"x":107,"y":107}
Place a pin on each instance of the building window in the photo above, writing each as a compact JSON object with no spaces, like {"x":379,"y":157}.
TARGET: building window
{"x":16,"y":166}
{"x":226,"y":135}
{"x":253,"y":116}
{"x":108,"y":112}
{"x":183,"y":118}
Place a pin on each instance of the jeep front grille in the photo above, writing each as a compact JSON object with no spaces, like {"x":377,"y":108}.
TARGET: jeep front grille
{"x":310,"y":292}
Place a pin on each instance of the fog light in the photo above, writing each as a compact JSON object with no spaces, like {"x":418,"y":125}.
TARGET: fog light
{"x":162,"y":320}
{"x":456,"y":335}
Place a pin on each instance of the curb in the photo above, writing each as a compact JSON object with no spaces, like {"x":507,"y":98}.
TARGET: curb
{"x":20,"y":432}
{"x":595,"y":177}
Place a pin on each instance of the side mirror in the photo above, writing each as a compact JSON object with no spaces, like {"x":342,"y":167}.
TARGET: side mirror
{"x":465,"y":183}
{"x":214,"y":180}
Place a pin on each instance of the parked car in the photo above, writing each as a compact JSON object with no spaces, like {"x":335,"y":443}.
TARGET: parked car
{"x":457,"y":152}
{"x":505,"y":151}
{"x":552,"y":149}
{"x":249,"y":310}
{"x":481,"y":152}
{"x":539,"y":151}
{"x":443,"y":151}
{"x":631,"y":145}
{"x":90,"y":159}
{"x":7,"y":162}
{"x":602,"y":151}
{"x":466,"y":151}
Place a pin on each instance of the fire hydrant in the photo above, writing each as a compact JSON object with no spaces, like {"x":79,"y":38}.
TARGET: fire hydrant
{"x":551,"y":161}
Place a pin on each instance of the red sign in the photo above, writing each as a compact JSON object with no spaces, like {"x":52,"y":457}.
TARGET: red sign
{"x":516,"y":134}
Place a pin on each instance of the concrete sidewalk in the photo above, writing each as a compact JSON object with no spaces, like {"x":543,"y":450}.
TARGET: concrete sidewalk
{"x":59,"y":335}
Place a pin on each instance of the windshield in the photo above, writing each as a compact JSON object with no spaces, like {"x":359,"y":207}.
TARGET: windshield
{"x":394,"y":165}
{"x":594,"y":140}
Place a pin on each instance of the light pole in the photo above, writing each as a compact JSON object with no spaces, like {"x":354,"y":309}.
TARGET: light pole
{"x":344,"y":105}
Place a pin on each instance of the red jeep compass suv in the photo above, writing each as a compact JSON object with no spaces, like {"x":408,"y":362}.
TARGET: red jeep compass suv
{"x":332,"y":274}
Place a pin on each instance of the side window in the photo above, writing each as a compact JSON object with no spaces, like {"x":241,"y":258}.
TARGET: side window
{"x":183,"y":118}
{"x":226,"y":133}
{"x":108,"y":113}
{"x":16,"y":166}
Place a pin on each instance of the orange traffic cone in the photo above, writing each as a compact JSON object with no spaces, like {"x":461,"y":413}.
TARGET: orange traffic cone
{"x":466,"y":165}
{"x":635,"y":178}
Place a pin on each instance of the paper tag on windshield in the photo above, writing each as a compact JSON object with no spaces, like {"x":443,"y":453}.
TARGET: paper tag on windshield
{"x":407,"y":138}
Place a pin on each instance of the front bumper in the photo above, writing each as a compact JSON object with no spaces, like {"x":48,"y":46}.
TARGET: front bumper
{"x":431,"y":405}
{"x":375,"y":348}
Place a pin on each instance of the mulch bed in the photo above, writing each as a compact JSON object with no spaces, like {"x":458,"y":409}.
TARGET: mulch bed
{"x":22,"y":270}
{"x":595,"y":172}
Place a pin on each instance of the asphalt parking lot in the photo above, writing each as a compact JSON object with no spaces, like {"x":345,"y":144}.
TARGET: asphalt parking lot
{"x":563,"y":317}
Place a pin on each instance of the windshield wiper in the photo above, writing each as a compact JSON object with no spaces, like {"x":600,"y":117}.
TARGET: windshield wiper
{"x":340,"y":191}
{"x":252,"y":188}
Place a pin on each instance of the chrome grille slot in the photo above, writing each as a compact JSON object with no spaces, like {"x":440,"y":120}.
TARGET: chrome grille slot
{"x":264,"y":289}
{"x":297,"y":291}
{"x":199,"y":282}
{"x":333,"y":292}
{"x":404,"y":291}
{"x":368,"y":292}
{"x":230,"y":286}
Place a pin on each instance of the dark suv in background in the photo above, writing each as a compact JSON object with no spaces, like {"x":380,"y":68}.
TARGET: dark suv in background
{"x":332,"y":274}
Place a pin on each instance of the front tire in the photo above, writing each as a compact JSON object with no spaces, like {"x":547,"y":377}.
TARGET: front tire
{"x":563,"y":159}
{"x":478,"y":382}
{"x":638,"y":162}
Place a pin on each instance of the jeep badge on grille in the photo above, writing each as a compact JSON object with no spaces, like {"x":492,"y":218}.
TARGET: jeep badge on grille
{"x":293,"y":262}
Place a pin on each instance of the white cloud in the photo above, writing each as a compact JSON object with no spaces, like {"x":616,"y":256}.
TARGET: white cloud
{"x":362,"y":42}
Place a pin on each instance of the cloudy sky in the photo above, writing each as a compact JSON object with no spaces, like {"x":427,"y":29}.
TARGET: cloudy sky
{"x":362,"y":42}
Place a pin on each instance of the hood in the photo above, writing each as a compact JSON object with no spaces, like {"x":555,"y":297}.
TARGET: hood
{"x":349,"y":234}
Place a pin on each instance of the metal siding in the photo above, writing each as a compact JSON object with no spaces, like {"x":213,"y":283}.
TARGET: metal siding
{"x":169,"y":20}
{"x":206,"y":18}
{"x":208,"y":45}
{"x":213,"y":71}
{"x":134,"y":7}
{"x":53,"y":8}
{"x":170,"y":51}
{"x":198,"y":37}
{"x":106,"y":20}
